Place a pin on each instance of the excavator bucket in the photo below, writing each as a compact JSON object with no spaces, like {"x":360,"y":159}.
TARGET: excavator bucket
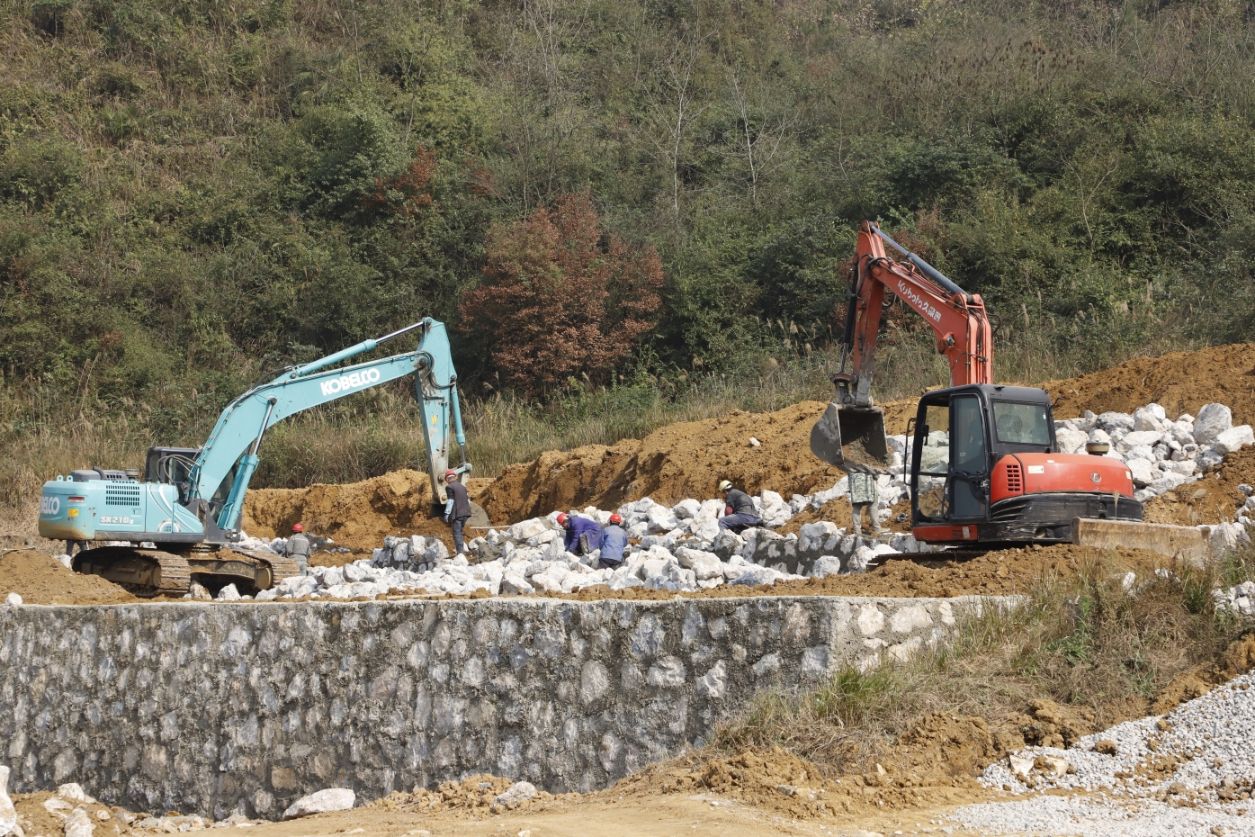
{"x":851,"y":438}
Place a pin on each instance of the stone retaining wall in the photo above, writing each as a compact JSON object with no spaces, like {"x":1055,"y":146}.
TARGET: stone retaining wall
{"x":209,"y":708}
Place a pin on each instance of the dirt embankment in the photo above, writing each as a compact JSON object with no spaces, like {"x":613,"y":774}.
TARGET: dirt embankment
{"x":688,"y":459}
{"x":357,"y":515}
{"x":1213,"y":499}
{"x":683,"y":460}
{"x":680,"y":460}
{"x":1179,"y":381}
{"x":41,"y":579}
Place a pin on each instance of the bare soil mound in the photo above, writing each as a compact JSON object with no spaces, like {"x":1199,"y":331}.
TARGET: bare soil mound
{"x":357,"y":515}
{"x":680,"y":460}
{"x":1213,"y":499}
{"x":41,"y":579}
{"x":688,"y":459}
{"x":1179,"y":381}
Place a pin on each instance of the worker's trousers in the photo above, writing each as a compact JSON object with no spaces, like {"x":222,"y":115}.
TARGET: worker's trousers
{"x":738,"y":523}
{"x":458,"y":523}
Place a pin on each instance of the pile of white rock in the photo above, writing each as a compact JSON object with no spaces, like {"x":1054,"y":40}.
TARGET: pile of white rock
{"x":79,"y":814}
{"x":681,"y":548}
{"x":1239,"y":599}
{"x":1161,"y":454}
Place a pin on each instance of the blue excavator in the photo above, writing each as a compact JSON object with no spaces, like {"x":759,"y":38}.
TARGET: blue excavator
{"x":181,"y":521}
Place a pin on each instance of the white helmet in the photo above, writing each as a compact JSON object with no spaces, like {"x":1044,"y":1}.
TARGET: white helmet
{"x":725,"y":485}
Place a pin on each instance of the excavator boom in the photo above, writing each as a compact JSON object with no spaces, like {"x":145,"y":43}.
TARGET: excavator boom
{"x":851,"y":432}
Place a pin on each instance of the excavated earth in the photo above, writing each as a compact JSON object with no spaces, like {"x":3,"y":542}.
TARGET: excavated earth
{"x":686,"y":459}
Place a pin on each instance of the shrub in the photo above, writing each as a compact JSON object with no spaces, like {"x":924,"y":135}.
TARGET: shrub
{"x":561,"y":298}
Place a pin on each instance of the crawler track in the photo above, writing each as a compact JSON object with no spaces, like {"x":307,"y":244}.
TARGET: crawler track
{"x":158,"y":572}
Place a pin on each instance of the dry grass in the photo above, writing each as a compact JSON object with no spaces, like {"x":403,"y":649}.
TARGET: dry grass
{"x":1102,"y":653}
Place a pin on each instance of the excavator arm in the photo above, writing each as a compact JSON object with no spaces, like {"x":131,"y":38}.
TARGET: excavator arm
{"x":232,"y":445}
{"x":850,"y":434}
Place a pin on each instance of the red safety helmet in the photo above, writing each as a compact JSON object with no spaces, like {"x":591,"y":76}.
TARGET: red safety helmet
{"x":296,"y":527}
{"x":562,"y":518}
{"x":450,"y":473}
{"x":616,"y":519}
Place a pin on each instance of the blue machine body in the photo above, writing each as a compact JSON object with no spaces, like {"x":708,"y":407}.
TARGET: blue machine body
{"x":196,"y":495}
{"x":84,"y":508}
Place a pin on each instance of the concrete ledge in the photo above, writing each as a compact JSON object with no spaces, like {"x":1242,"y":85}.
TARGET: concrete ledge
{"x":209,"y":708}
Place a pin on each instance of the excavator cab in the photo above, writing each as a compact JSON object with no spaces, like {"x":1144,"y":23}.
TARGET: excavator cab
{"x":950,"y":458}
{"x":985,"y":470}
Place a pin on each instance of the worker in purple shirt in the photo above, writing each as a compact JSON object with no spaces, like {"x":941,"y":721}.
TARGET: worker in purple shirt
{"x":583,"y":536}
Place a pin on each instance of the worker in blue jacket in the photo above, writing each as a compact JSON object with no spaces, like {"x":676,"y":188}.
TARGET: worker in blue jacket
{"x":614,"y":541}
{"x":583,"y":536}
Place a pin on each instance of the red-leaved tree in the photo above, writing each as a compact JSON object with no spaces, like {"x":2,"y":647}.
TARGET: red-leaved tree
{"x":561,"y":297}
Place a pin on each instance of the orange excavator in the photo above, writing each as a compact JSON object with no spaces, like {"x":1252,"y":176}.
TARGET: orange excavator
{"x":985,"y":467}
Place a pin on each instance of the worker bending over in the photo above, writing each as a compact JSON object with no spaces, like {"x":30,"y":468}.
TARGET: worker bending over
{"x":583,"y":536}
{"x":614,"y":541}
{"x":739,"y":513}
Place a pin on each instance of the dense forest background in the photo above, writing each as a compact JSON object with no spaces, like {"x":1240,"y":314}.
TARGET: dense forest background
{"x":598,"y":196}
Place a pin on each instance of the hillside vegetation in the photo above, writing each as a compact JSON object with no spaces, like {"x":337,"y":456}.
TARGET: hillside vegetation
{"x":194,"y":194}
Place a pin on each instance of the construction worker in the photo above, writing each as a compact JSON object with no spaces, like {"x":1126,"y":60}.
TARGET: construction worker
{"x":863,"y":495}
{"x":298,"y":546}
{"x":739,"y":512}
{"x":614,"y":541}
{"x":457,"y":508}
{"x":583,"y":536}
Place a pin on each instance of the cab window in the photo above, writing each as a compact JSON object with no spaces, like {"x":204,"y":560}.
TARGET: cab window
{"x":1021,"y":424}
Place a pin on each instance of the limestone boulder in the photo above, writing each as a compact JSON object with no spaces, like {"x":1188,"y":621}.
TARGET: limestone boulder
{"x":703,"y":564}
{"x":321,"y":802}
{"x":1234,"y":439}
{"x":1071,"y":441}
{"x":78,"y":824}
{"x":516,"y":795}
{"x":824,"y":566}
{"x":1150,"y":417}
{"x":775,"y":511}
{"x":1212,"y":420}
{"x":1144,"y":472}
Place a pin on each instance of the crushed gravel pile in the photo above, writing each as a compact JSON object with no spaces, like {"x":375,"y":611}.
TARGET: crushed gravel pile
{"x":1188,"y":771}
